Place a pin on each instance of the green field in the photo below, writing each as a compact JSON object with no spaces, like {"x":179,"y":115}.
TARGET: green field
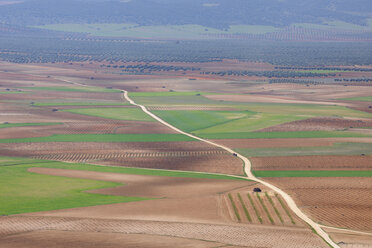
{"x":103,"y":138}
{"x":307,"y":110}
{"x":298,"y":110}
{"x":362,"y":99}
{"x":159,"y":32}
{"x":312,"y":173}
{"x":128,"y":114}
{"x":6,"y":125}
{"x":336,"y":149}
{"x":74,"y":89}
{"x":192,"y":120}
{"x":46,"y":104}
{"x":24,"y":192}
{"x":12,"y":92}
{"x":204,"y":122}
{"x":281,"y":135}
{"x":251,"y":123}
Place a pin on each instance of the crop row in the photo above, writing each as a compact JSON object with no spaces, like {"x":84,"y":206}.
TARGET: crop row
{"x":263,"y":208}
{"x":83,"y":157}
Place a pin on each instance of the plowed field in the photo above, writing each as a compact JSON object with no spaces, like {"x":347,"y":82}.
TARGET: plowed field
{"x":341,"y":202}
{"x":313,"y":163}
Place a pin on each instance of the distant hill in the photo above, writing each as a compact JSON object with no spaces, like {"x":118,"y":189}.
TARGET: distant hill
{"x":219,"y":14}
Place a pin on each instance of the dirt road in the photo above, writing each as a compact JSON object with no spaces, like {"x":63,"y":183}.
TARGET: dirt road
{"x":247,"y":168}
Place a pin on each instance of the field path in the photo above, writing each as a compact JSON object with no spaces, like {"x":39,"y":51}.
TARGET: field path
{"x":247,"y":168}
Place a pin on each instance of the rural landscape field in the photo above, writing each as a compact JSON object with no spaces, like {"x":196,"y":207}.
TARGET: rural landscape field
{"x":181,"y":133}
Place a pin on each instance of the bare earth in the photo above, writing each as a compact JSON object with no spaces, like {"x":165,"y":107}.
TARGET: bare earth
{"x":190,"y":211}
{"x":313,"y":163}
{"x":296,"y":142}
{"x":340,"y":202}
{"x":319,"y":124}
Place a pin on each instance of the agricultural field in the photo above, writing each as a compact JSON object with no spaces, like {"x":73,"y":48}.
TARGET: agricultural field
{"x":128,"y":173}
{"x":157,"y":32}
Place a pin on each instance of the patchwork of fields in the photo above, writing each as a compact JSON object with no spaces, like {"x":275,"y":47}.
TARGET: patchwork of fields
{"x":76,"y":149}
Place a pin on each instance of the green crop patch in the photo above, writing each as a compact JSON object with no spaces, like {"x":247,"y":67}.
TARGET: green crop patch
{"x":250,"y":123}
{"x":13,"y":92}
{"x":191,"y":120}
{"x":74,"y":89}
{"x":336,"y":149}
{"x":103,"y":138}
{"x":6,"y":125}
{"x":281,"y":135}
{"x":46,"y":104}
{"x":338,"y":173}
{"x":10,"y":161}
{"x":23,"y":192}
{"x":307,"y":110}
{"x":361,"y":99}
{"x":128,"y":114}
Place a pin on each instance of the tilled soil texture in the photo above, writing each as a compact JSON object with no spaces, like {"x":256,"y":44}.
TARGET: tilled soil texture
{"x":296,"y":142}
{"x":183,"y":207}
{"x":263,"y":99}
{"x":319,"y":124}
{"x":340,"y":202}
{"x":214,"y":163}
{"x":37,"y":95}
{"x":174,"y":199}
{"x":23,"y":114}
{"x":91,"y":239}
{"x":351,"y":239}
{"x":312,"y":163}
{"x":189,"y":156}
{"x":234,"y":235}
{"x":87,"y":127}
{"x":266,"y":208}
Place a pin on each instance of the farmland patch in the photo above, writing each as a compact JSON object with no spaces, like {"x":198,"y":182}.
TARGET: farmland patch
{"x":102,"y":138}
{"x":131,"y":114}
{"x":336,"y":149}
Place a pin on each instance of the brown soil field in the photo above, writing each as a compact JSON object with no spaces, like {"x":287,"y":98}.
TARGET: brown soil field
{"x":177,"y":199}
{"x":312,"y":163}
{"x":214,"y":163}
{"x":63,"y":239}
{"x":187,"y":208}
{"x":262,"y":98}
{"x":25,"y":114}
{"x":189,"y":156}
{"x":249,"y":236}
{"x":246,"y":207}
{"x":126,"y":147}
{"x":37,"y":95}
{"x":351,"y":240}
{"x":319,"y":124}
{"x":339,"y":202}
{"x":361,"y":106}
{"x":295,"y":142}
{"x":85,"y":127}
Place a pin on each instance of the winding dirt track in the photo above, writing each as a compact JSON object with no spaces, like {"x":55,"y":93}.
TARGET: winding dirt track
{"x":247,"y":168}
